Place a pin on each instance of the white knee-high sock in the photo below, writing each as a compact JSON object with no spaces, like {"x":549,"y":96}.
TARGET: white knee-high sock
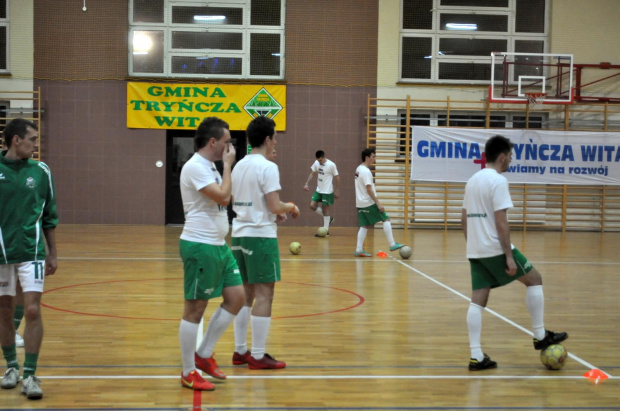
{"x":187,"y":336}
{"x":535,"y":301}
{"x":326,"y":221}
{"x":387,"y":229}
{"x":260,"y":331}
{"x":219,"y":322}
{"x":242,"y":322}
{"x":474,"y":326}
{"x":361,"y":236}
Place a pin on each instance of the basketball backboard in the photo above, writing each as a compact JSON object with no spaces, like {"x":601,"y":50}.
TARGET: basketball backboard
{"x":515,"y":76}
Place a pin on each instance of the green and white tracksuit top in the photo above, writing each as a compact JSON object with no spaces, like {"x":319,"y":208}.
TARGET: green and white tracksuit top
{"x":27,"y":206}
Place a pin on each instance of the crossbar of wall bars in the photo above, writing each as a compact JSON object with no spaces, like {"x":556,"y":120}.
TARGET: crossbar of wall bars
{"x":33,"y":114}
{"x":417,"y":204}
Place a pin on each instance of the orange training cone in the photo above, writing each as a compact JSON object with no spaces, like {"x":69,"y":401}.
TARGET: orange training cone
{"x":596,"y":374}
{"x":382,"y":254}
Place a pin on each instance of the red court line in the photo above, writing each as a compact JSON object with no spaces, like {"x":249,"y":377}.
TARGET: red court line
{"x":359,"y":302}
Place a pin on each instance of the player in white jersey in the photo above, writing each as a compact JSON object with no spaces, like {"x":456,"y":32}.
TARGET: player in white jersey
{"x":369,"y":210}
{"x":494,"y":261}
{"x":256,"y":201}
{"x":327,"y":187}
{"x":209,"y":268}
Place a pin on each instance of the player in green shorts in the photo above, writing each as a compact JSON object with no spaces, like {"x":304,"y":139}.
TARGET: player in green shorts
{"x":256,"y":201}
{"x":327,"y":188}
{"x":369,"y":210}
{"x":494,"y":261}
{"x":209,"y":268}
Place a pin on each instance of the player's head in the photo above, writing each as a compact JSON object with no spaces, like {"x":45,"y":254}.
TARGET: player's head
{"x":17,"y":127}
{"x":367,"y":152}
{"x":496,"y":146}
{"x":211,"y":127}
{"x":259,"y":130}
{"x":320,"y":156}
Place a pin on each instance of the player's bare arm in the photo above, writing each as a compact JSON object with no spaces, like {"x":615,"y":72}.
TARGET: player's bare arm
{"x":464,"y":222}
{"x":503,"y":232}
{"x":221,"y":194}
{"x":336,"y":186}
{"x":372,"y":195}
{"x":278,"y":207}
{"x":310,"y":177}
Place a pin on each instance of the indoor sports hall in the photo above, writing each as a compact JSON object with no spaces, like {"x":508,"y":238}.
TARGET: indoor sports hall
{"x":117,"y":89}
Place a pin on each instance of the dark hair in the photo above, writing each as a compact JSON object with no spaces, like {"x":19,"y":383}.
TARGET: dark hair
{"x":367,"y":152}
{"x":17,"y":127}
{"x":495,"y":146}
{"x":211,"y":127}
{"x":320,"y":154}
{"x":259,"y":129}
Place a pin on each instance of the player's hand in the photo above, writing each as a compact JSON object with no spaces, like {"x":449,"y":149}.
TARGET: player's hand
{"x":381,"y":208}
{"x":229,"y":155}
{"x":337,"y":194}
{"x":511,"y":267}
{"x":280,"y":218}
{"x":51,"y":264}
{"x":295,"y":212}
{"x":306,"y":187}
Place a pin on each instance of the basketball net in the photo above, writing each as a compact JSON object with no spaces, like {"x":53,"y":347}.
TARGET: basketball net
{"x":535,"y":100}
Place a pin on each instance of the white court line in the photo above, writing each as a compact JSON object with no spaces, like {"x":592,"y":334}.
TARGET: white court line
{"x":498,"y":315}
{"x":374,"y":260}
{"x":325,"y":377}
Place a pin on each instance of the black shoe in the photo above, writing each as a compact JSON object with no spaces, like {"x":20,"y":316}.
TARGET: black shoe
{"x":331,"y":220}
{"x":550,"y":338}
{"x":485,"y":364}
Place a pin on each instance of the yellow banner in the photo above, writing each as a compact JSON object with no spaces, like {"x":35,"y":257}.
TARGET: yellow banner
{"x":183,"y":106}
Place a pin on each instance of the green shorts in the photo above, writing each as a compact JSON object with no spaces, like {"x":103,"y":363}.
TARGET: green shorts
{"x":208,"y":269}
{"x":491,"y":271}
{"x":370,"y":215}
{"x":258,"y":259}
{"x":325,"y":199}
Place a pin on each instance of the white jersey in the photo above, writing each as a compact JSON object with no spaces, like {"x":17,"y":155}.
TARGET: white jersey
{"x":252,"y":178}
{"x":205,"y":220}
{"x":325,"y":176}
{"x":363,"y":177}
{"x":485,"y":193}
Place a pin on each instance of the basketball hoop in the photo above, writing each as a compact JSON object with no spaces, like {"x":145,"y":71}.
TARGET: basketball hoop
{"x":535,"y":100}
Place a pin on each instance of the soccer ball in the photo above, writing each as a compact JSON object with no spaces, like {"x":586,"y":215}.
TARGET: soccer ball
{"x":322,"y":231}
{"x":295,"y":248}
{"x":405,"y":252}
{"x":554,"y":356}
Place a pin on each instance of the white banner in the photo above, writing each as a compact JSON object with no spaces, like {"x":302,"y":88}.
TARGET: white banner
{"x":538,"y":157}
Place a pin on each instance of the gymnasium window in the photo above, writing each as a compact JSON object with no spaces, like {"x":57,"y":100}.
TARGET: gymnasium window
{"x":450,"y":41}
{"x":4,"y":36}
{"x":221,"y":39}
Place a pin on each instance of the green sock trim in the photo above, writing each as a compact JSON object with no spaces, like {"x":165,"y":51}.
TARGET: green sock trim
{"x":10,"y":355}
{"x":18,"y":315}
{"x":30,"y":365}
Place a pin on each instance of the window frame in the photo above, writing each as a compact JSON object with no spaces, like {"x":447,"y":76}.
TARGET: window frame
{"x":246,"y":29}
{"x":436,"y":34}
{"x":6,"y":23}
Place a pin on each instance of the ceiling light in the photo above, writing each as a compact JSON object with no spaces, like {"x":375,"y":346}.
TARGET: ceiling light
{"x":461,"y":26}
{"x":209,"y":18}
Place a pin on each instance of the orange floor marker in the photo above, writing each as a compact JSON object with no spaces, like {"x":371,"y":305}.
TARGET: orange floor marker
{"x":382,"y":254}
{"x":596,"y":374}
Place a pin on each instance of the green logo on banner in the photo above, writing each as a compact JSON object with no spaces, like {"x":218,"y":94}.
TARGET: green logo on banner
{"x":263,"y":104}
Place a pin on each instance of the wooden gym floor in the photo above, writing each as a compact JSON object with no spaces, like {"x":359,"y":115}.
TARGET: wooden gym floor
{"x":356,"y":333}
